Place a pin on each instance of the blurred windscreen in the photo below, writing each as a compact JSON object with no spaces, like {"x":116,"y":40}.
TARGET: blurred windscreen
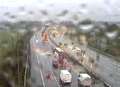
{"x":96,"y":22}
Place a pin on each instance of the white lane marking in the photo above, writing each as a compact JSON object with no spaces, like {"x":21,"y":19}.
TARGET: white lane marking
{"x":43,"y":82}
{"x":56,"y":79}
{"x":41,"y":72}
{"x":42,"y":78}
{"x":38,"y":61}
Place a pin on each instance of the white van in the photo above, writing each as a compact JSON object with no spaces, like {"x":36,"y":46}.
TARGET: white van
{"x":65,"y":76}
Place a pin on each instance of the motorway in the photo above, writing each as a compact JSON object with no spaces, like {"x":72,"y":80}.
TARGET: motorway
{"x":41,"y":65}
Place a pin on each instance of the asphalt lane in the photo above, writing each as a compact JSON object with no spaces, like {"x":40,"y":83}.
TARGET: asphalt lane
{"x":35,"y":73}
{"x":41,"y":65}
{"x":74,"y":78}
{"x":45,"y":65}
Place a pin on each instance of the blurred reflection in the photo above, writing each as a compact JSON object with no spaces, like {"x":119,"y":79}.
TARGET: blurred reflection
{"x":19,"y":24}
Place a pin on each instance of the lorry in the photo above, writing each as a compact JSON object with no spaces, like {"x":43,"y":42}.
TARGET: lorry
{"x":59,"y":58}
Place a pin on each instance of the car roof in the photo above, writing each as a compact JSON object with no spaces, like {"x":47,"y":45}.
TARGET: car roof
{"x":65,"y":71}
{"x":77,"y":48}
{"x":60,"y":50}
{"x":84,"y":75}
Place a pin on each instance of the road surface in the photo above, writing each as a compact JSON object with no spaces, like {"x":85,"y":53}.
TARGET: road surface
{"x":41,"y":65}
{"x":107,"y":68}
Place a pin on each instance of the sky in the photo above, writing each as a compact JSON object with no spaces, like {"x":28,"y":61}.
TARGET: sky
{"x":95,"y":9}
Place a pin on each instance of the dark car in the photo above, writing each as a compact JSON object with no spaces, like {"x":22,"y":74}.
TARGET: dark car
{"x":55,"y":63}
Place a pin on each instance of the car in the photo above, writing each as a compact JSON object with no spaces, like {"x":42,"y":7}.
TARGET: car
{"x":84,"y":80}
{"x":65,"y":77}
{"x":55,"y":63}
{"x":58,"y":49}
{"x":76,"y":49}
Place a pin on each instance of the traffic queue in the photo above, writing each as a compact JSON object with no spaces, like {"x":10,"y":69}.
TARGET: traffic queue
{"x":60,"y":62}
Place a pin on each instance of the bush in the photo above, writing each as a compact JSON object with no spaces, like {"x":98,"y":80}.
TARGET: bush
{"x":11,"y":53}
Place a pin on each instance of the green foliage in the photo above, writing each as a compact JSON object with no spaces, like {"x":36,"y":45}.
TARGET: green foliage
{"x":11,"y":52}
{"x":8,"y":41}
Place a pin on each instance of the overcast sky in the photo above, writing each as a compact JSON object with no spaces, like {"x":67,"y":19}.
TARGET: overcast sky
{"x":96,"y":9}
